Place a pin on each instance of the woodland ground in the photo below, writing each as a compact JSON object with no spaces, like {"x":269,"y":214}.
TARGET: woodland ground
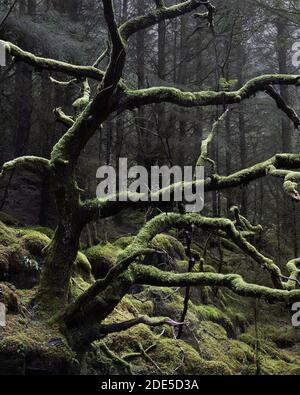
{"x":222,"y":335}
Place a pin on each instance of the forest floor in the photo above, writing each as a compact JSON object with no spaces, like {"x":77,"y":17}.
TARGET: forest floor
{"x":222,"y":335}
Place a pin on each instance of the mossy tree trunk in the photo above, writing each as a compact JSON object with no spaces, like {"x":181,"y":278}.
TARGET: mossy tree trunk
{"x":82,"y":320}
{"x":61,"y":254}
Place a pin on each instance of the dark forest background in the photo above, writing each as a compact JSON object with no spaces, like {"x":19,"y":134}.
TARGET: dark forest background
{"x":250,"y":38}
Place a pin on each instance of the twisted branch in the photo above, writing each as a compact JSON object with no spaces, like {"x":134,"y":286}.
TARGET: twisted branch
{"x":152,"y":276}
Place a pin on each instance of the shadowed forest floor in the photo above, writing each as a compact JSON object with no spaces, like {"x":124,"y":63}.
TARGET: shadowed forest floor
{"x":220,"y":336}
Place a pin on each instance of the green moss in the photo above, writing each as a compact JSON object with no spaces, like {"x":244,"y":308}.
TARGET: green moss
{"x":170,"y":355}
{"x":214,"y":354}
{"x":33,"y":241}
{"x":213,"y":314}
{"x":78,"y":285}
{"x":278,"y":367}
{"x":12,"y":252}
{"x":288,"y":337}
{"x":82,"y":276}
{"x":9,"y":298}
{"x":182,"y":266}
{"x":214,"y":345}
{"x":173,"y":247}
{"x":123,"y":242}
{"x":102,"y":258}
{"x":83,"y":268}
{"x":7,"y":235}
{"x":165,"y":355}
{"x":25,"y":342}
{"x":44,"y":230}
{"x":130,"y":307}
{"x":273,"y":360}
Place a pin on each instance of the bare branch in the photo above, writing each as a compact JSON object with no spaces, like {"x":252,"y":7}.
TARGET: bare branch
{"x":31,"y":162}
{"x":10,"y":10}
{"x":103,"y":55}
{"x":118,"y":55}
{"x":289,"y":111}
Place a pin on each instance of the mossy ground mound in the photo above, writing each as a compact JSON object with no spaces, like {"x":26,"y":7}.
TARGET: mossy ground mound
{"x":30,"y":347}
{"x":22,"y":253}
{"x":219,"y":337}
{"x":17,"y":264}
{"x":102,"y":258}
{"x":169,"y":252}
{"x":212,"y":342}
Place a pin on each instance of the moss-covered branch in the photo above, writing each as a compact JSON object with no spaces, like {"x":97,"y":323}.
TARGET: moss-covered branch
{"x":80,"y":104}
{"x":137,"y":98}
{"x":103,"y":208}
{"x":31,"y":162}
{"x":244,"y":224}
{"x":206,"y":142}
{"x":62,"y":117}
{"x":259,"y":170}
{"x":140,"y":246}
{"x":160,"y":14}
{"x":40,"y":63}
{"x":293,"y":267}
{"x":291,"y":181}
{"x":148,"y":275}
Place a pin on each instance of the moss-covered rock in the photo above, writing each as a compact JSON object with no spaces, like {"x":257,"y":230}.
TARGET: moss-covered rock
{"x":166,"y":243}
{"x":169,"y":251}
{"x":83,"y":268}
{"x":286,"y":338}
{"x":9,"y":298}
{"x":123,"y":242}
{"x":33,"y":241}
{"x":213,"y":340}
{"x":102,"y":258}
{"x":30,"y":347}
{"x":82,"y":277}
{"x":149,"y":350}
{"x":44,"y":230}
{"x":17,"y":265}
